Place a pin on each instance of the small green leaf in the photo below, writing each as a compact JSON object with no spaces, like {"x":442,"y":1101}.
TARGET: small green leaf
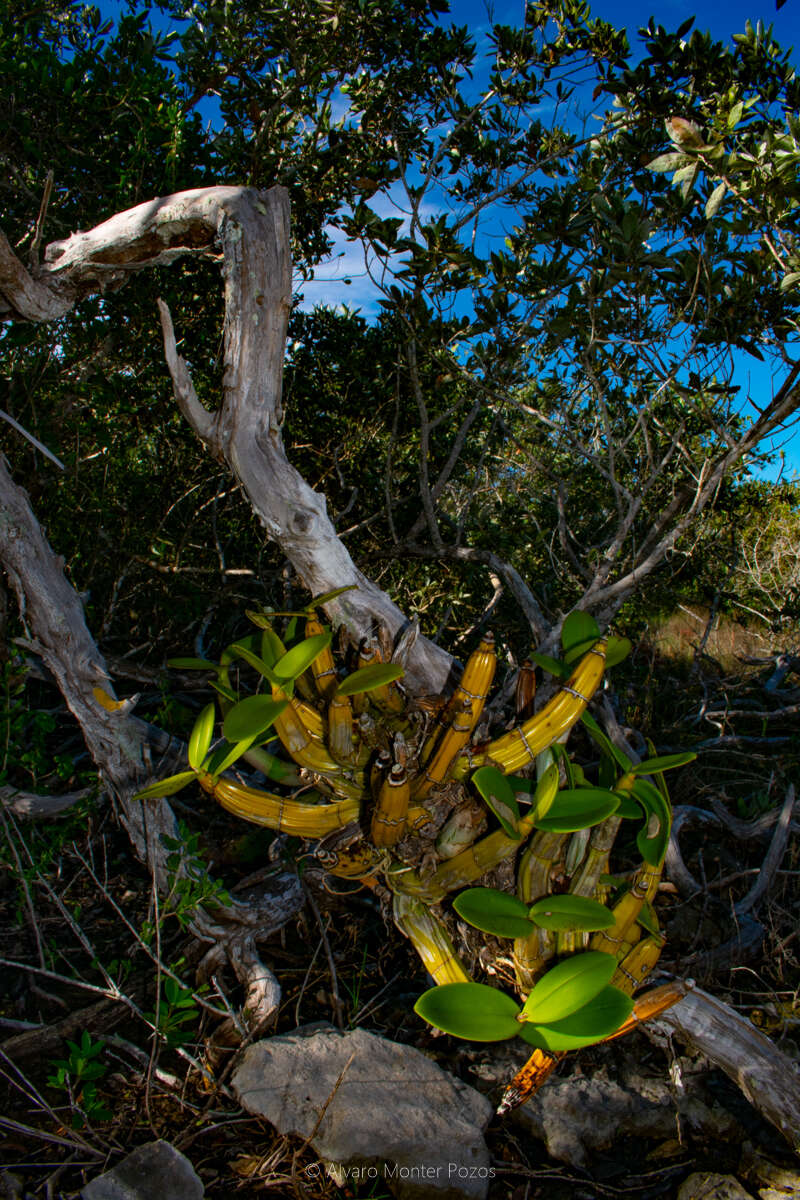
{"x":569,"y":986}
{"x":653,"y":839}
{"x":544,"y":797}
{"x":628,"y":808}
{"x":226,"y":755}
{"x":294,"y":662}
{"x":326,"y":597}
{"x":552,"y":665}
{"x":201,"y":735}
{"x":251,"y":717}
{"x":166,"y":787}
{"x":595,"y":1021}
{"x":499,"y":797}
{"x":617,"y":649}
{"x":604,"y":742}
{"x":571,"y":912}
{"x":192,"y":664}
{"x":665,"y":762}
{"x":578,"y":809}
{"x":259,"y":664}
{"x":648,"y":920}
{"x":272,"y":648}
{"x":666,"y":162}
{"x":494,"y":912}
{"x":470,"y":1010}
{"x":579,"y":633}
{"x":790,"y":280}
{"x":366,"y":679}
{"x":715,"y":199}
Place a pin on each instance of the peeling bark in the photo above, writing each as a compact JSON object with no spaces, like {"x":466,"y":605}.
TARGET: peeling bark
{"x":127,"y":751}
{"x":769,"y":1080}
{"x":252,"y":230}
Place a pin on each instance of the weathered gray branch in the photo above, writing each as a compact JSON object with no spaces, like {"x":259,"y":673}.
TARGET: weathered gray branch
{"x":128,"y":752}
{"x":769,"y":1080}
{"x":252,"y":230}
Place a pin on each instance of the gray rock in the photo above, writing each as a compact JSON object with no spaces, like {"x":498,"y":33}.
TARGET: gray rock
{"x":156,"y":1169}
{"x":579,"y":1115}
{"x":381,"y":1110}
{"x":705,"y":1185}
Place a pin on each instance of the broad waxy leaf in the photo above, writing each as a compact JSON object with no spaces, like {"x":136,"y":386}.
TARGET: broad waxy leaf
{"x":226,"y":754}
{"x":579,"y":633}
{"x":166,"y":787}
{"x":628,"y":808}
{"x":200,"y":737}
{"x":251,"y":717}
{"x":604,"y":742}
{"x":544,"y":798}
{"x":470,"y":1010}
{"x":366,"y":679}
{"x":576,"y":809}
{"x":326,"y":597}
{"x":552,"y":665}
{"x":297,"y":660}
{"x":653,"y":839}
{"x":494,"y":912}
{"x":192,"y":664}
{"x":571,"y":912}
{"x":272,"y":648}
{"x":569,"y":986}
{"x":595,"y":1021}
{"x":259,"y":664}
{"x":499,"y":796}
{"x":617,"y":649}
{"x":665,"y":762}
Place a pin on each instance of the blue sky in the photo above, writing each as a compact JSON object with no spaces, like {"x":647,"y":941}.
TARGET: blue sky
{"x":722,"y":20}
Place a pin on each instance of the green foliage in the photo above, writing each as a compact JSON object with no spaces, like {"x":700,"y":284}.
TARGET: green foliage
{"x":177,"y":1010}
{"x":77,"y":1075}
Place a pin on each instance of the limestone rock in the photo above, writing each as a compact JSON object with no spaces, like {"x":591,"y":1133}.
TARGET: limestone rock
{"x":579,"y":1115}
{"x":392,"y":1114}
{"x":705,"y":1185}
{"x":155,"y":1169}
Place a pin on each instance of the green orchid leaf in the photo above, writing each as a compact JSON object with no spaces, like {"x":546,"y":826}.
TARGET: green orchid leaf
{"x":617,"y":649}
{"x":294,"y":662}
{"x":226,"y":692}
{"x":200,"y":737}
{"x":628,"y":808}
{"x":553,"y":666}
{"x":665,"y":762}
{"x":192,"y":664}
{"x":648,"y":920}
{"x":579,"y":633}
{"x":326,"y":597}
{"x":251,"y":717}
{"x":595,"y":1021}
{"x":604,"y":742}
{"x":570,"y":912}
{"x":272,"y":648}
{"x":470,"y":1010}
{"x":366,"y":679}
{"x":291,"y":628}
{"x":653,"y":839}
{"x":166,"y":787}
{"x":252,"y":643}
{"x":562,"y":759}
{"x":259,"y":664}
{"x":494,"y":912}
{"x":544,"y":797}
{"x":498,"y":795}
{"x":569,"y":986}
{"x":579,"y":808}
{"x":226,"y":754}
